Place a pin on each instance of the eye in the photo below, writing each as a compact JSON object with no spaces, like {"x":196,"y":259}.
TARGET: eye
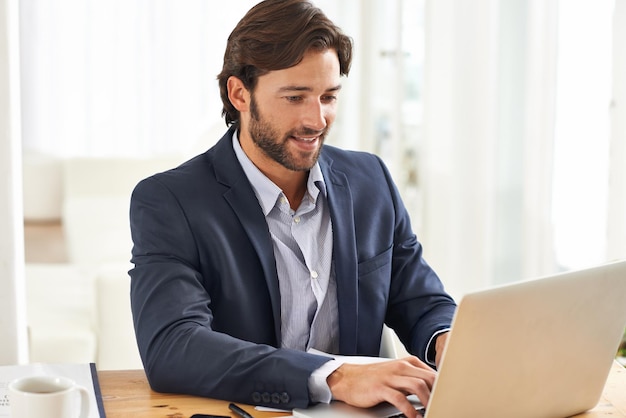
{"x":329,"y":98}
{"x":294,"y":99}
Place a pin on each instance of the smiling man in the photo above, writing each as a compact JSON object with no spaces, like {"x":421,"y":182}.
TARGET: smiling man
{"x":272,"y":244}
{"x":300,"y":104}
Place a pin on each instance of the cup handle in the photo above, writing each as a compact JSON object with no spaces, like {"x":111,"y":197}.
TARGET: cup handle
{"x":84,"y":402}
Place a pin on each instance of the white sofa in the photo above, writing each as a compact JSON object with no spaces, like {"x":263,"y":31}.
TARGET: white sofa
{"x":79,"y":310}
{"x":96,"y":202}
{"x":61,"y":313}
{"x":42,"y":178}
{"x":80,"y":314}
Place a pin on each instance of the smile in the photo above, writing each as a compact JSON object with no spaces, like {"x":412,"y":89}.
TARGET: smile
{"x":305,"y":139}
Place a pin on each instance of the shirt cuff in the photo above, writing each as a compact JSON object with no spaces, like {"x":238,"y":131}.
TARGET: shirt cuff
{"x":430,"y":347}
{"x":318,"y":387}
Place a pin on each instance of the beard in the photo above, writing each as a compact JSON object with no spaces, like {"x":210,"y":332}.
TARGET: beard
{"x":269,"y":140}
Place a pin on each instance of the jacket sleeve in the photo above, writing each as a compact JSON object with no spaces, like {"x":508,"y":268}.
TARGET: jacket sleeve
{"x":173,"y":318}
{"x":418,"y":306}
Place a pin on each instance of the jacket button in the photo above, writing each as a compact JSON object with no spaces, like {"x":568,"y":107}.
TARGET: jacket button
{"x":284,"y":397}
{"x":275,"y":398}
{"x":265,"y":397}
{"x":256,"y":397}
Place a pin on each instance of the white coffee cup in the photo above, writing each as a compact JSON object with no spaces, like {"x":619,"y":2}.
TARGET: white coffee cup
{"x":47,"y":396}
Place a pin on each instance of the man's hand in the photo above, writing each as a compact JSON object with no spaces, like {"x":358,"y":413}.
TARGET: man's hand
{"x":366,"y":385}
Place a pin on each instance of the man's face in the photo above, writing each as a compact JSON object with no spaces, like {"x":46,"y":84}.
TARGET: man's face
{"x":291,"y":111}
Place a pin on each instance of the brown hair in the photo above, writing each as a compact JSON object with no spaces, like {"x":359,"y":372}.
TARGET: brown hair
{"x":274,"y":35}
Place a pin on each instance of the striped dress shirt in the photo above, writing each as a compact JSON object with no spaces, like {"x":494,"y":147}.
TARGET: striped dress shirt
{"x":303,"y":248}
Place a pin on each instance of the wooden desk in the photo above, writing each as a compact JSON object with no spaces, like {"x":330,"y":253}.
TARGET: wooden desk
{"x":126,"y":394}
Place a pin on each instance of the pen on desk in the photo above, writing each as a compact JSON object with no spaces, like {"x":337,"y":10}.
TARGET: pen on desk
{"x":237,"y":410}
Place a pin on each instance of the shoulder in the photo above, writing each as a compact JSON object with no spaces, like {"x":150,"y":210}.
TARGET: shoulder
{"x":350,"y":161}
{"x":363,"y":174}
{"x":198,"y":175}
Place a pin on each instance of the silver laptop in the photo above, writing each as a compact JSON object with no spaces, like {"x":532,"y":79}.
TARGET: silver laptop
{"x":534,"y":349}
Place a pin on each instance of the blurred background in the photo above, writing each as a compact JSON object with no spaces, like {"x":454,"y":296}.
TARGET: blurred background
{"x":503,"y":123}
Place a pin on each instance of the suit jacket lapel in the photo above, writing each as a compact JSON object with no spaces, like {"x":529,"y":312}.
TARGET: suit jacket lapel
{"x":344,"y":254}
{"x":242,"y":199}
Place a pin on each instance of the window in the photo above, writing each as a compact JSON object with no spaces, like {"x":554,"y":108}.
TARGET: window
{"x":583,"y":132}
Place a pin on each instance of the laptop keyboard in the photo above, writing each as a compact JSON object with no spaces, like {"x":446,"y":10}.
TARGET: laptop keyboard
{"x":421,"y":411}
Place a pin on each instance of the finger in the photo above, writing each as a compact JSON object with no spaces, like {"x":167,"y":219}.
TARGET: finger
{"x":409,"y":368}
{"x":401,"y":403}
{"x":413,"y":386}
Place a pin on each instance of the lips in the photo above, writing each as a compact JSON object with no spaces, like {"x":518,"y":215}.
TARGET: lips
{"x":306,"y":143}
{"x":305,"y":139}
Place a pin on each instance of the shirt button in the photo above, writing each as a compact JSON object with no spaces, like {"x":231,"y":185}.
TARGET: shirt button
{"x":296,"y":219}
{"x":283,"y":200}
{"x":314,"y":274}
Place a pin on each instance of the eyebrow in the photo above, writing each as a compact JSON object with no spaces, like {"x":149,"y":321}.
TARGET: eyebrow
{"x":304,"y":88}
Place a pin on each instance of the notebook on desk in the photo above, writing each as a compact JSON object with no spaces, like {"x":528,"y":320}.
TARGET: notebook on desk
{"x":533,"y":349}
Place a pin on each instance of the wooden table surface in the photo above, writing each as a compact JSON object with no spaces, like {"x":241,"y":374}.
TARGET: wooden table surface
{"x":126,"y":393}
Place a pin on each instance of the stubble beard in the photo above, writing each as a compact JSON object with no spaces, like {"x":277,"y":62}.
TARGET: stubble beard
{"x":267,"y":138}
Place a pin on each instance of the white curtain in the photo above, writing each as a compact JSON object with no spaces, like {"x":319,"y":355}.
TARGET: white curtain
{"x":137,"y":78}
{"x":616,"y":231}
{"x":129,"y":78}
{"x":13,"y":346}
{"x":583,"y":132}
{"x":460,"y":127}
{"x":117,"y":77}
{"x":517,"y":132}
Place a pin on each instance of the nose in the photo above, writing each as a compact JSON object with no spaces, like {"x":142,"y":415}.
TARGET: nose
{"x":317,"y":116}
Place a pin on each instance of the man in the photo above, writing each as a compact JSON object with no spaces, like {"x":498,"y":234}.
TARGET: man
{"x":271,"y":243}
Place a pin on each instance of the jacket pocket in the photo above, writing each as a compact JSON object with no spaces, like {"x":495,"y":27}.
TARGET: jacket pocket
{"x":378,"y":261}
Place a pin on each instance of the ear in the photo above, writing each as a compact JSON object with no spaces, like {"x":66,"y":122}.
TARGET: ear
{"x":238,"y":94}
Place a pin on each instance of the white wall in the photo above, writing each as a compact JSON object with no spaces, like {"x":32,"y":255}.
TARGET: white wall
{"x":13,"y":346}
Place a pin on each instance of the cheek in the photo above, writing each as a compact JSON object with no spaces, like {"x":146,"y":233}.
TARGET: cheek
{"x":286,"y":118}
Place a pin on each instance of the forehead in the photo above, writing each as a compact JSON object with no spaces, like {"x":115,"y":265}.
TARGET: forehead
{"x":318,"y":70}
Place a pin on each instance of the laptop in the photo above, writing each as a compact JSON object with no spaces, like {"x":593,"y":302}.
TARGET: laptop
{"x":534,"y":349}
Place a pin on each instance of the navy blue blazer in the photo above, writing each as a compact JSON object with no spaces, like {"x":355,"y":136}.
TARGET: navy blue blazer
{"x":204,"y":289}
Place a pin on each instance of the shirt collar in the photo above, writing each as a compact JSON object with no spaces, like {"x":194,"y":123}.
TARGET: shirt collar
{"x":266,"y":191}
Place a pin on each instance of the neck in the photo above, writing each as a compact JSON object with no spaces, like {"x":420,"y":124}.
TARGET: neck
{"x":294,"y":194}
{"x":292,"y":183}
